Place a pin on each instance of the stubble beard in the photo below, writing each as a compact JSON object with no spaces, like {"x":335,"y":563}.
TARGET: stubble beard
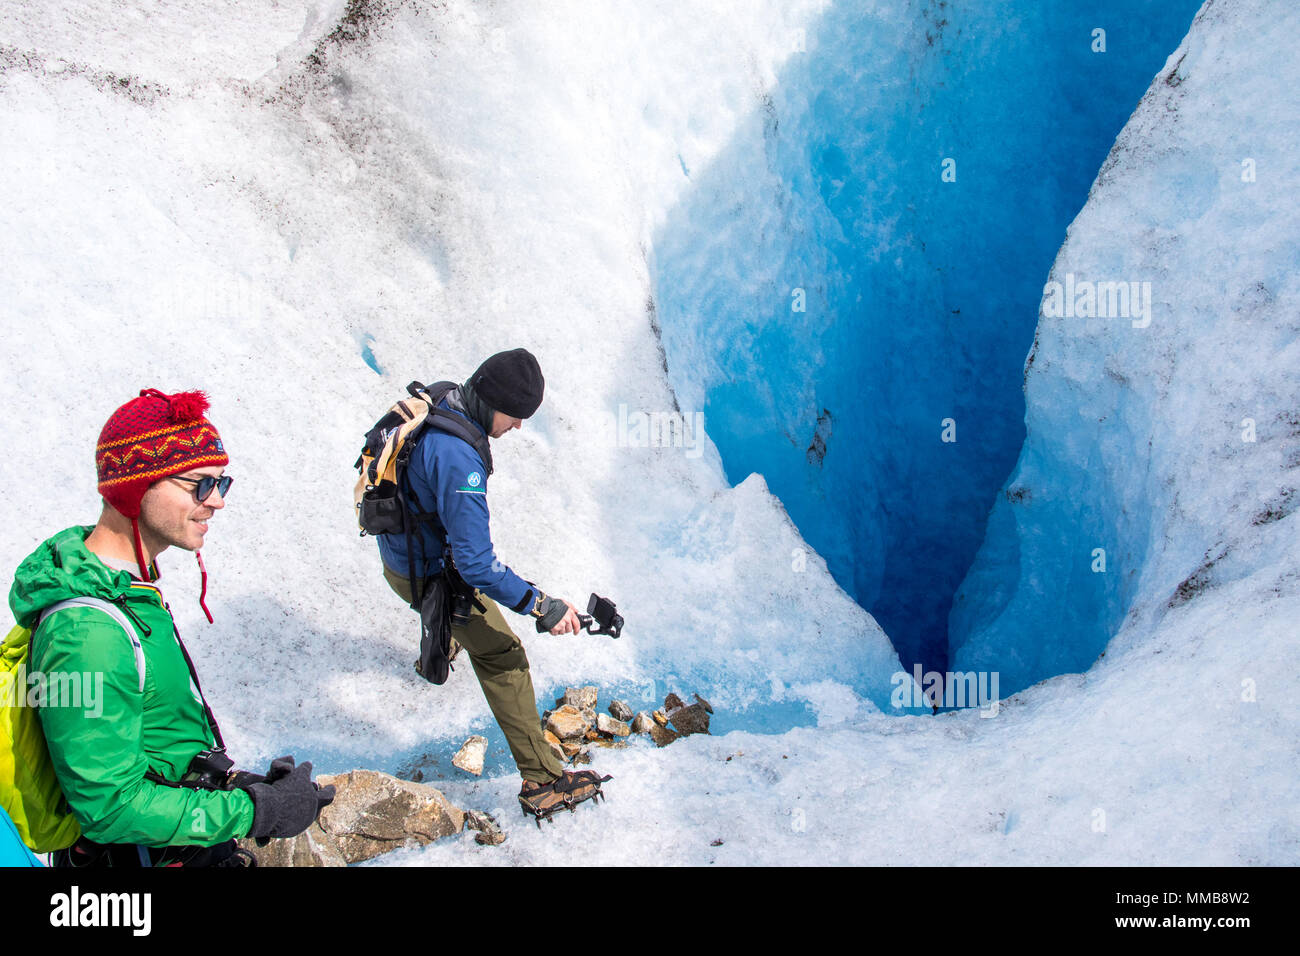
{"x":187,"y":533}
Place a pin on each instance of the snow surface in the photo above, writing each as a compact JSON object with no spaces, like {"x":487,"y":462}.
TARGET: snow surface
{"x":309,"y":196}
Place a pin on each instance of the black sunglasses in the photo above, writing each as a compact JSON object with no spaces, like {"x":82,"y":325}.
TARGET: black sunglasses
{"x":203,"y":486}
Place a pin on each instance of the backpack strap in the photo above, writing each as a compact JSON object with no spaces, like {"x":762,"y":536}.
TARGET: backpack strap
{"x":117,"y":614}
{"x":113,"y":611}
{"x":452,"y":423}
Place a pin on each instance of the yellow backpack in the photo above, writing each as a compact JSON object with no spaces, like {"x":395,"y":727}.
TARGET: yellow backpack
{"x":29,"y":789}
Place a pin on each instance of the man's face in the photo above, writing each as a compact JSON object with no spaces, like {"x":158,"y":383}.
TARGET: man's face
{"x":171,"y":514}
{"x":502,"y":423}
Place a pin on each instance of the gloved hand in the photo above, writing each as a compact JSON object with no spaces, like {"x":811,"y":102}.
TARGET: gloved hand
{"x":280,"y":767}
{"x":241,"y":779}
{"x":286,"y":802}
{"x":550,"y":612}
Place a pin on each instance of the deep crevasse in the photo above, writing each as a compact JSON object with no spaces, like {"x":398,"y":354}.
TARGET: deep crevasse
{"x":850,"y":288}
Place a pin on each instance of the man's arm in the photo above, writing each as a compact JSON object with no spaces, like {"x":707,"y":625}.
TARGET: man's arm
{"x":460,"y":492}
{"x":98,"y":753}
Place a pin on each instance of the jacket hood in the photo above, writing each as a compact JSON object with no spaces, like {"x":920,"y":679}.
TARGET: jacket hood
{"x":59,"y":569}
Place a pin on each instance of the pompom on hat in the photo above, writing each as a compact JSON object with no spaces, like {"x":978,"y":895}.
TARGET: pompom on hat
{"x":152,"y":437}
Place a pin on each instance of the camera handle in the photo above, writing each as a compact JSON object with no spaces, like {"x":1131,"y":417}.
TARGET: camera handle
{"x":594,"y":628}
{"x":613,"y":625}
{"x":587,"y":623}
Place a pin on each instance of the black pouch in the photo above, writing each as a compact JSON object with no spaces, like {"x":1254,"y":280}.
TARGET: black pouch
{"x":381,"y":510}
{"x":434,"y":664}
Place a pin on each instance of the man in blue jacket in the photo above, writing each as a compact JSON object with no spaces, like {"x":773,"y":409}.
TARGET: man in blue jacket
{"x":448,"y":477}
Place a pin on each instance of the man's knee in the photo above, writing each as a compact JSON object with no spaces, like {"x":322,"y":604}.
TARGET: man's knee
{"x":491,"y":651}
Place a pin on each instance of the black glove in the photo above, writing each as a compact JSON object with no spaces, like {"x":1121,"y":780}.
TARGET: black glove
{"x":549,"y":613}
{"x":242,"y":779}
{"x":289,"y":803}
{"x":280,"y":767}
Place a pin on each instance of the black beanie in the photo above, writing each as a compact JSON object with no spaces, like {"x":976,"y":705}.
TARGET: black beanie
{"x":510,"y":382}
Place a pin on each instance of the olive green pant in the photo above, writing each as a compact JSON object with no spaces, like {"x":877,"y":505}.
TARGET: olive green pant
{"x":501,"y":666}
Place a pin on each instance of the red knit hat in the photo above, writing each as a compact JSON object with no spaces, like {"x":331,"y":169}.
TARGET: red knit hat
{"x":150,"y":438}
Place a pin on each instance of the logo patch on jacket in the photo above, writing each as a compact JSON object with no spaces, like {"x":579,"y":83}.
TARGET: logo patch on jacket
{"x":473,"y":484}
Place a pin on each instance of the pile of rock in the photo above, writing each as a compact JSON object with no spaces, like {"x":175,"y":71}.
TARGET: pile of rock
{"x":574,"y":724}
{"x":677,"y":719}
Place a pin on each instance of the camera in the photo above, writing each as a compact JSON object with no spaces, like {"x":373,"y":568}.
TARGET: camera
{"x":605,"y":613}
{"x":208,"y":770}
{"x":462,"y":605}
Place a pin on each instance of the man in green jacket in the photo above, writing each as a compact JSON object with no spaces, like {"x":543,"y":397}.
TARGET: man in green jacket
{"x":144,"y":769}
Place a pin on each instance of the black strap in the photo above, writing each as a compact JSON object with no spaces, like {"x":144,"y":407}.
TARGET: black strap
{"x":417,"y":586}
{"x":455,"y":582}
{"x":412,"y":516}
{"x":451,"y":422}
{"x":87,"y":853}
{"x":454,"y":424}
{"x":194,"y":676}
{"x":122,"y":604}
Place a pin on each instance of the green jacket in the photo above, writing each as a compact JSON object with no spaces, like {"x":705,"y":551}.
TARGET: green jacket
{"x":101,"y":753}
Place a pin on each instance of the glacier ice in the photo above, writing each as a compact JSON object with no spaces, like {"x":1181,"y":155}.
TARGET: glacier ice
{"x":849,"y":291}
{"x":469,"y":178}
{"x":1161,"y":447}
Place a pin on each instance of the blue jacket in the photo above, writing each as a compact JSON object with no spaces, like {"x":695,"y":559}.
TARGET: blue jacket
{"x":448,"y":477}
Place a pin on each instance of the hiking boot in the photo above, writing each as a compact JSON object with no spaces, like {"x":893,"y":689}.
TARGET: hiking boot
{"x":543,"y":800}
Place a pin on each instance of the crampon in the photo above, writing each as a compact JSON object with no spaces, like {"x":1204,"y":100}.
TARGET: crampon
{"x":542,"y":801}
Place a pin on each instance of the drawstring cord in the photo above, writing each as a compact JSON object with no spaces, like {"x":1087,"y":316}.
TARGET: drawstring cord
{"x":139,"y":553}
{"x":149,"y":578}
{"x":203,"y":593}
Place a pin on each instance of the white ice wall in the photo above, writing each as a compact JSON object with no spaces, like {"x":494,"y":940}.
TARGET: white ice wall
{"x":447,"y":182}
{"x":1169,"y":439}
